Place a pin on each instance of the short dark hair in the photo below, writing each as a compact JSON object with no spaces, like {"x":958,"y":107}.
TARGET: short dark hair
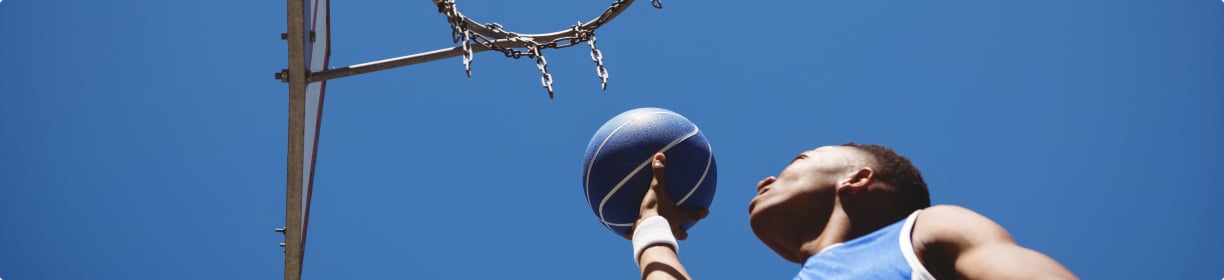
{"x":898,"y":172}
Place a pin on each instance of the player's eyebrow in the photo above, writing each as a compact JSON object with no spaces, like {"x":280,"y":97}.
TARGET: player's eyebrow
{"x":798,"y":157}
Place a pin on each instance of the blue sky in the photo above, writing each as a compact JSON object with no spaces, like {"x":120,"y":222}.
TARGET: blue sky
{"x":146,"y":139}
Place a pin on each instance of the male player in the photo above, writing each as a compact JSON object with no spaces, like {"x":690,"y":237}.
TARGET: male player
{"x":850,"y":212}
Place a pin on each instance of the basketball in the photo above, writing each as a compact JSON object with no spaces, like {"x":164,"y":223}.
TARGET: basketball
{"x":616,"y":171}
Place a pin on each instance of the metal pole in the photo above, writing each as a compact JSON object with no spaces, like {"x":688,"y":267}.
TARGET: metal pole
{"x":391,"y":63}
{"x":297,"y":114}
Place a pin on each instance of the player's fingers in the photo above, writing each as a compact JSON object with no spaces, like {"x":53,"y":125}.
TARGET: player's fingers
{"x":692,"y":215}
{"x":658,"y":168}
{"x":679,"y":232}
{"x":650,"y":203}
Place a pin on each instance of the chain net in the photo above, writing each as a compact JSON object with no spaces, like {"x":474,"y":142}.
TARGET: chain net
{"x":532,"y":47}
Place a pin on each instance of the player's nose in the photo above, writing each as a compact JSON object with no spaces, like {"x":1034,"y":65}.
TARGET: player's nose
{"x":765,"y":182}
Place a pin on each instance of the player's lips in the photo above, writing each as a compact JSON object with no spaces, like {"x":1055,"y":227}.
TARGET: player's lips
{"x":752,"y":204}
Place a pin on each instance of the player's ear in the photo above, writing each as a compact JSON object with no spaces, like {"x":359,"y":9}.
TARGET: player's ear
{"x":857,"y":180}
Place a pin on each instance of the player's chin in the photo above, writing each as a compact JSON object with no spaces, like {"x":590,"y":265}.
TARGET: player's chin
{"x":756,"y":206}
{"x":752,"y":206}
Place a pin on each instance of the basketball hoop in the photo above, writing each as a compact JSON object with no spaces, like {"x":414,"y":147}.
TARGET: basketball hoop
{"x":492,"y":36}
{"x":474,"y":37}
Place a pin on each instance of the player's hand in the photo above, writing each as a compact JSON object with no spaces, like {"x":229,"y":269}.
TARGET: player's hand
{"x":658,"y":203}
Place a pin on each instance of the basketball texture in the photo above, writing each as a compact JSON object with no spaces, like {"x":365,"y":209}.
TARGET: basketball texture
{"x":616,"y":171}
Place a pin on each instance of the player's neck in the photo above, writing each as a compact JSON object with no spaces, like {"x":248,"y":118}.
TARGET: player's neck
{"x":846,"y":225}
{"x":836,"y":230}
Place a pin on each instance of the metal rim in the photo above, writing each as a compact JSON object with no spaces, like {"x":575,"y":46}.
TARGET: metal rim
{"x":510,"y":39}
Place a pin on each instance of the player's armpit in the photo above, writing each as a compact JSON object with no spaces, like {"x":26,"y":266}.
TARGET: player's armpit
{"x":954,"y":242}
{"x":1008,"y":261}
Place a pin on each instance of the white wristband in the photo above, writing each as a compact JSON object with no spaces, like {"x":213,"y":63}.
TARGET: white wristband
{"x":652,"y":231}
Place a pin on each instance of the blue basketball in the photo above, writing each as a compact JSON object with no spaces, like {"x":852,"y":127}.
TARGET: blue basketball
{"x":616,"y":171}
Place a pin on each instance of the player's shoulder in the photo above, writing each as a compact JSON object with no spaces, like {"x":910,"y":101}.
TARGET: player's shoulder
{"x":949,"y":212}
{"x":956,"y":225}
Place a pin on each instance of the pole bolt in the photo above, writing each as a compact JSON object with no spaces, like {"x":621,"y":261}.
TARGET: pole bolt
{"x":283,"y":75}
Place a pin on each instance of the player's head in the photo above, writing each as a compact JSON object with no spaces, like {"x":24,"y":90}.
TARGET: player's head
{"x":856,"y":178}
{"x":898,"y":174}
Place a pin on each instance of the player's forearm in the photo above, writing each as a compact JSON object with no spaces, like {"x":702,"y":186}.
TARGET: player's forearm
{"x":661,"y":262}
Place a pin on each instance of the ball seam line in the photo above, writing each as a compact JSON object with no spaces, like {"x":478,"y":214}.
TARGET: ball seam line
{"x":586,"y":180}
{"x":709,"y":161}
{"x":635,"y":171}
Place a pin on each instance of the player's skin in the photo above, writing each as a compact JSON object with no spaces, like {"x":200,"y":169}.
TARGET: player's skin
{"x":827,"y":196}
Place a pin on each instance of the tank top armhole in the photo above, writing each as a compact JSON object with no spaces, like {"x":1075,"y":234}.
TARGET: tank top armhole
{"x":917,"y":270}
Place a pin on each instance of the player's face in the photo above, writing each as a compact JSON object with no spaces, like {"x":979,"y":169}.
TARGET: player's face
{"x":803,"y":195}
{"x":813,"y":172}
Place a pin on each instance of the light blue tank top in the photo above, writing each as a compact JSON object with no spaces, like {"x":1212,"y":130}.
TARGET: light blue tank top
{"x":887,"y":253}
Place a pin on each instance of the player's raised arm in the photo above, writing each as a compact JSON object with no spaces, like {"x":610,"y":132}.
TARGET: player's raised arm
{"x":957,"y":243}
{"x":655,"y":233}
